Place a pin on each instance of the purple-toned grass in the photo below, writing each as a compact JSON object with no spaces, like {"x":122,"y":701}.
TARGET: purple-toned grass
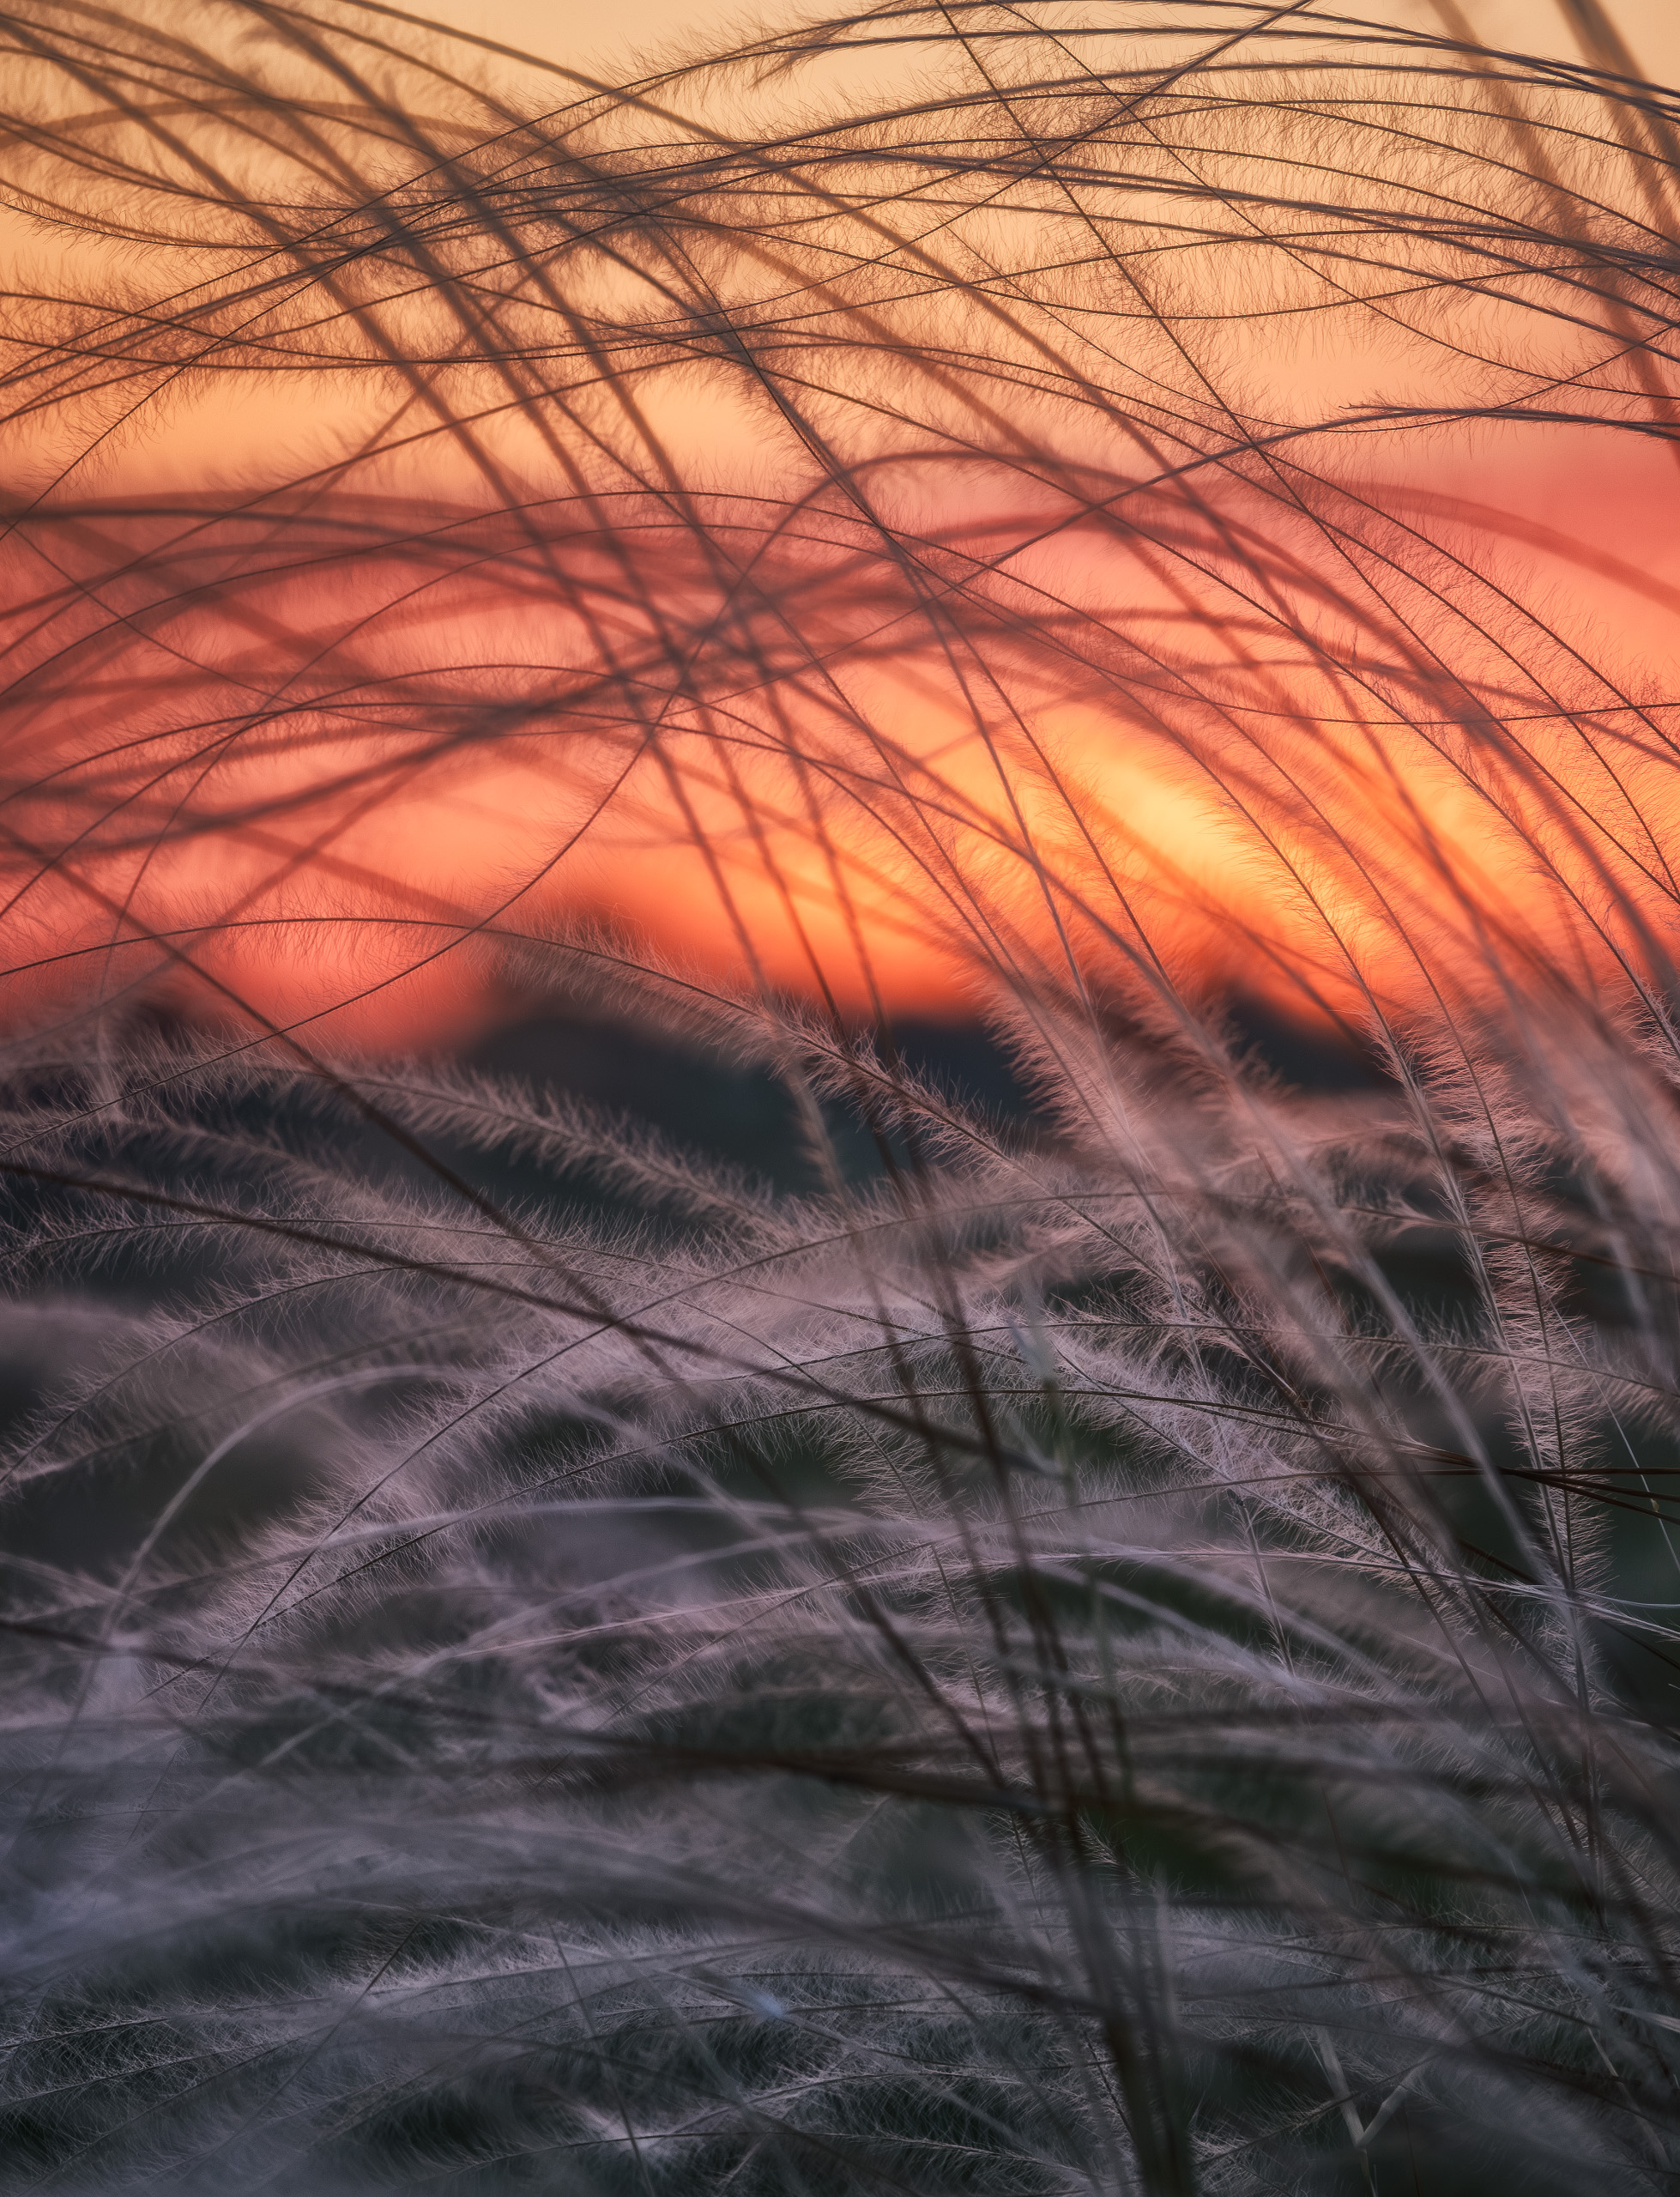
{"x":1125,"y":1643}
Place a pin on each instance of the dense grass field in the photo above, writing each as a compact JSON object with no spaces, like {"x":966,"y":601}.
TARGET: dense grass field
{"x":841,"y":1146}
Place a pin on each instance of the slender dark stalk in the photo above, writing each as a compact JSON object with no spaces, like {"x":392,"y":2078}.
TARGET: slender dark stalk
{"x":1122,"y":1641}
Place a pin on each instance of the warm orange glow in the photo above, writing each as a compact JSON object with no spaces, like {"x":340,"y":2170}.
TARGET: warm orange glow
{"x":338,"y":686}
{"x":885,"y":833}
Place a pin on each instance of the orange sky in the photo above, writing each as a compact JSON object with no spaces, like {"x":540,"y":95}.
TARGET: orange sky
{"x":310,"y":756}
{"x":941,"y":831}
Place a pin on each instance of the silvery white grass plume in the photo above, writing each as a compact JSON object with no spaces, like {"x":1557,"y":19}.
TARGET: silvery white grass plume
{"x":1123,"y":1643}
{"x":1042,"y":1669}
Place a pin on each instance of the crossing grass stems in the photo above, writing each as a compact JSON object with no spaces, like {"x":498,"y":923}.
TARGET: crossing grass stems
{"x":1124,"y":1645}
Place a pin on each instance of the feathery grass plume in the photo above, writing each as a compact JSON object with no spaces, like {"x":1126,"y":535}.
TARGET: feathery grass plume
{"x":1124,"y":1645}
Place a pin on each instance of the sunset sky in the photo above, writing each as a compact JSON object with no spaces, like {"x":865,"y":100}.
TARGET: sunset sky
{"x":743,"y":743}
